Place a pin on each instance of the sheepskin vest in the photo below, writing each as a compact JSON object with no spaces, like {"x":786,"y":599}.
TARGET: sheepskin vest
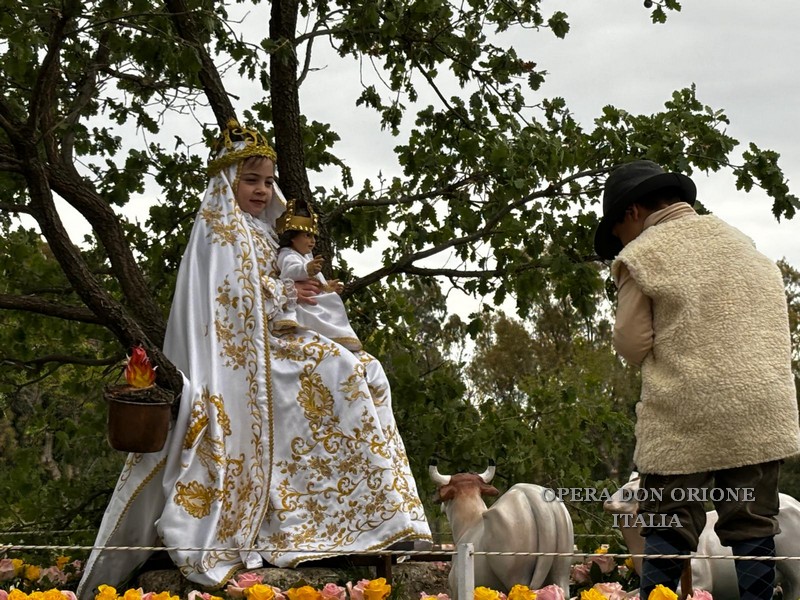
{"x":717,"y":387}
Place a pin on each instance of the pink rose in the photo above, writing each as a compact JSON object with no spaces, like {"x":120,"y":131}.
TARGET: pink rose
{"x":69,"y":595}
{"x":426,"y":596}
{"x":236,"y":587}
{"x":612,"y":591}
{"x":550,"y":592}
{"x":331,"y":591}
{"x":699,"y":595}
{"x":580,"y":573}
{"x":606,"y":563}
{"x":3,"y":593}
{"x":148,"y":596}
{"x":54,"y":575}
{"x":356,"y":592}
{"x":249,"y":579}
{"x":6,"y":569}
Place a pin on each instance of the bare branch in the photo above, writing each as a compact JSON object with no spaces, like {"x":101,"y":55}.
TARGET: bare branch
{"x":14,"y":208}
{"x":48,"y":308}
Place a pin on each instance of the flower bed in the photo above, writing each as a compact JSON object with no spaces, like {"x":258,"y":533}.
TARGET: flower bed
{"x":597,"y":578}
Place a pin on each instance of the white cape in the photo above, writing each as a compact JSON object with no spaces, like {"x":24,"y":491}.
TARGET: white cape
{"x":287,"y":444}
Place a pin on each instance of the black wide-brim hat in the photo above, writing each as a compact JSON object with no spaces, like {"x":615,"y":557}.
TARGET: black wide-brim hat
{"x":625,"y":185}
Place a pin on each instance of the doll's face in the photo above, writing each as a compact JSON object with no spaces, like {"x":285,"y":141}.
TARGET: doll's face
{"x":256,"y":179}
{"x":304,"y":242}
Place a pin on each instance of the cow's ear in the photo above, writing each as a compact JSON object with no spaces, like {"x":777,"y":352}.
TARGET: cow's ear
{"x":489,"y":490}
{"x":445,"y":493}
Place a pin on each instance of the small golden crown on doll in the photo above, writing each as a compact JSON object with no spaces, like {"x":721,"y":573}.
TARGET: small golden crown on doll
{"x":289,"y":221}
{"x":255,"y":144}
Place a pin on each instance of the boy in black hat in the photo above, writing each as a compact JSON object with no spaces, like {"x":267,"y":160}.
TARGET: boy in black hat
{"x":705,"y":315}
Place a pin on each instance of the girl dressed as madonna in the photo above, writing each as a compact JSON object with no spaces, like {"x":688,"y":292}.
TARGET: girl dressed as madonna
{"x":285,"y":448}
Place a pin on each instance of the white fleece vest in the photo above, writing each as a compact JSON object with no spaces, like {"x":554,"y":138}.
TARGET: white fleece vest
{"x":717,"y":387}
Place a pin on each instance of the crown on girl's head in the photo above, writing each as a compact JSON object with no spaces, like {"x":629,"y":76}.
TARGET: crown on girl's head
{"x":289,"y":221}
{"x":231,"y":138}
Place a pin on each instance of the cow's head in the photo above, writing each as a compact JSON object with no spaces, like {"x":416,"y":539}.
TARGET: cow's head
{"x":624,"y":501}
{"x":449,"y":487}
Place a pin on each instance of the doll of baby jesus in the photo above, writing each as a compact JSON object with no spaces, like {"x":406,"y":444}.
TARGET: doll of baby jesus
{"x":298,"y":231}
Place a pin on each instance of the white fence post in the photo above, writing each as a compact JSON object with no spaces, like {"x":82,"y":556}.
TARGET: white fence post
{"x":465,"y":571}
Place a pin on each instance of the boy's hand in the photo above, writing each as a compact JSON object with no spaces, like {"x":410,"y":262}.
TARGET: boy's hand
{"x":314,"y":266}
{"x":336,"y":286}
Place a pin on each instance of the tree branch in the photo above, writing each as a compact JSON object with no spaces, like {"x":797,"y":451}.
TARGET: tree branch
{"x":447,"y":189}
{"x":110,"y":313}
{"x":48,"y":308}
{"x":402,"y":263}
{"x":209,"y":75}
{"x":14,"y":208}
{"x":64,"y":359}
{"x":85,"y":94}
{"x":42,"y":95}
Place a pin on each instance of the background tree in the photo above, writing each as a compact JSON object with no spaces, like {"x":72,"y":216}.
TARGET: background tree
{"x":495,"y":176}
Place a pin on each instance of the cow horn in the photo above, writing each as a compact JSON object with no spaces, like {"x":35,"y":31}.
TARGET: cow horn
{"x":488,"y":474}
{"x":437,"y":477}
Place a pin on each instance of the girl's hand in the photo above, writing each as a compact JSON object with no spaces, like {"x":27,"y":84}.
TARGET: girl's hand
{"x":306,"y":290}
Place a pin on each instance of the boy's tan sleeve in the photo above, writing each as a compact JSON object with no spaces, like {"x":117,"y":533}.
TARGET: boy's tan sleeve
{"x":633,"y":327}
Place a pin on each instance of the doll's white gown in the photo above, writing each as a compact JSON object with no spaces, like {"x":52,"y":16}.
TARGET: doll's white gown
{"x":328,"y":316}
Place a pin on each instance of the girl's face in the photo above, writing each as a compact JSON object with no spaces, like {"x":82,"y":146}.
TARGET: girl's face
{"x":304,"y":242}
{"x":254,"y":191}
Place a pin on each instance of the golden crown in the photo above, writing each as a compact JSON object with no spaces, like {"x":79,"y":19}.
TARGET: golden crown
{"x":289,"y":221}
{"x":255,"y":144}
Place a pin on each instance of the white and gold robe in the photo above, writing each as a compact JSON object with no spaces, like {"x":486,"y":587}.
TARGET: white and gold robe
{"x":285,"y":447}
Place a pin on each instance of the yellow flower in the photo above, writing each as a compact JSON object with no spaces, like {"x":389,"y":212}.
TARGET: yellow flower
{"x":377,"y":589}
{"x":31,"y":572}
{"x":106,"y":592}
{"x":132,"y":594}
{"x":62,"y":561}
{"x":602,"y":549}
{"x":629,"y":564}
{"x":302,"y":593}
{"x":521,"y":592}
{"x":259,"y":591}
{"x":164,"y":596}
{"x":592,"y":594}
{"x":53,"y":594}
{"x":17,"y":564}
{"x":15,"y":594}
{"x":662,"y":593}
{"x":484,"y":593}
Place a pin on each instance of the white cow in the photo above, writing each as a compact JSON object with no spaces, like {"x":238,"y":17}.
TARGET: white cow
{"x":718,"y":576}
{"x":522,"y":520}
